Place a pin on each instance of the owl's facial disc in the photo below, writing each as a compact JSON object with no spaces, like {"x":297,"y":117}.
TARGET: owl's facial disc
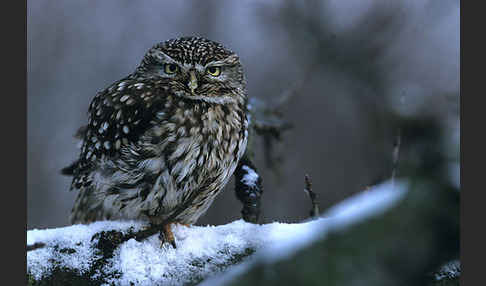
{"x":196,"y":69}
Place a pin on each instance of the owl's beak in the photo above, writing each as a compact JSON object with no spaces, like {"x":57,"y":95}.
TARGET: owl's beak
{"x":192,"y":81}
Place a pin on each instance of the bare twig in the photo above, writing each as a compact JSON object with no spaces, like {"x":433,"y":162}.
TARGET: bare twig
{"x":396,"y":152}
{"x":314,"y":212}
{"x":35,"y":246}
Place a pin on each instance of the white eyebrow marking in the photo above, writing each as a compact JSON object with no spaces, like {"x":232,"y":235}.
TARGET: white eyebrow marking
{"x":226,"y":61}
{"x":162,"y":56}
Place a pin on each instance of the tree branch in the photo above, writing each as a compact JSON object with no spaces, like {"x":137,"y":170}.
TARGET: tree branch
{"x":314,"y":212}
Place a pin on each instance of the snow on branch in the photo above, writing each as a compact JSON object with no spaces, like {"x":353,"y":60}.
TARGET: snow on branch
{"x":90,"y":254}
{"x":365,"y":241}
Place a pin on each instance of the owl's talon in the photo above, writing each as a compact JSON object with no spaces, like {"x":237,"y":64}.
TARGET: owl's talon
{"x":173,"y":244}
{"x":166,"y":235}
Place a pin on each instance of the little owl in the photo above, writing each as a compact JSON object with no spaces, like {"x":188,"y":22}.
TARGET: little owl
{"x":161,"y":143}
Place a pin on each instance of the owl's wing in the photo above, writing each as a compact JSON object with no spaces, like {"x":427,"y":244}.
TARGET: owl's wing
{"x":117,"y":116}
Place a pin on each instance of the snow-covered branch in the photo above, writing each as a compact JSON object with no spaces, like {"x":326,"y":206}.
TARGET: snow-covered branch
{"x":89,"y":253}
{"x":367,"y":242}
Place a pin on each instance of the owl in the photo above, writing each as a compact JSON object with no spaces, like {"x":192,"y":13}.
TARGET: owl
{"x":161,"y":143}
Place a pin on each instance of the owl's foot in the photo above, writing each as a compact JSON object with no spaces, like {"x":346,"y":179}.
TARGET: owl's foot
{"x":166,"y":235}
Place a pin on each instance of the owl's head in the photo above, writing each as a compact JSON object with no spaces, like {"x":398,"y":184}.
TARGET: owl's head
{"x":197,"y":69}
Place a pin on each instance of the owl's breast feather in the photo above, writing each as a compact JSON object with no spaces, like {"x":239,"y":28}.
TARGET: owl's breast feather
{"x":194,"y":150}
{"x":196,"y":142}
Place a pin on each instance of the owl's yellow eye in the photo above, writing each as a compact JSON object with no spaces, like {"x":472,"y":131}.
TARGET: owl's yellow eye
{"x":171,"y":68}
{"x":214,"y":71}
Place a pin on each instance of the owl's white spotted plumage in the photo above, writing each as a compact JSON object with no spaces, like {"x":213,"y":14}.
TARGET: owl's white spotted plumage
{"x":165,"y":140}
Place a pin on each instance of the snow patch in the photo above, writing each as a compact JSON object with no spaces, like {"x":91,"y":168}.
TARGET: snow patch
{"x":75,"y":238}
{"x":251,"y":177}
{"x":367,"y":203}
{"x":449,"y":270}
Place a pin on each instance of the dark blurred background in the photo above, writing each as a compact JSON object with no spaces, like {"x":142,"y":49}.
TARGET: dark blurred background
{"x":347,"y":63}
